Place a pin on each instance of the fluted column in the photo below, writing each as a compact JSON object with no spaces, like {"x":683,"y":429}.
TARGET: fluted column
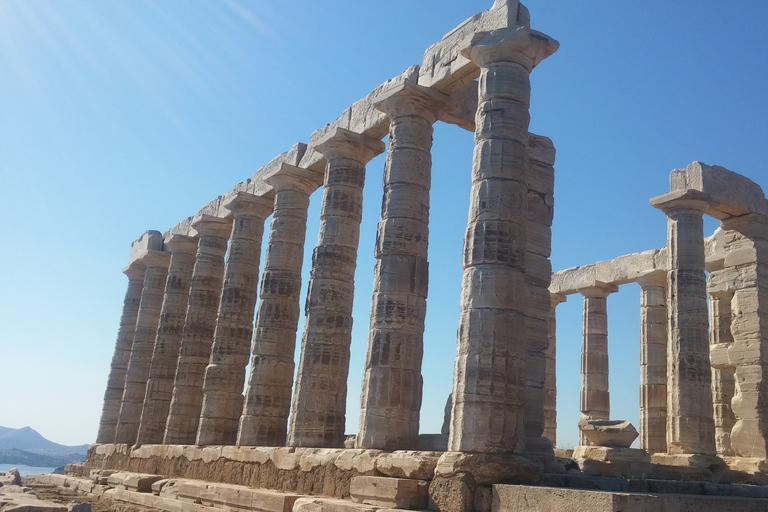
{"x":550,"y":382}
{"x":595,"y":403}
{"x":113,"y":396}
{"x":319,"y":402}
{"x":392,"y":383}
{"x":225,"y":374}
{"x":143,"y":345}
{"x":653,"y":361}
{"x":690,"y":424}
{"x":723,"y":372}
{"x":162,"y":370}
{"x":199,"y":325}
{"x":489,"y":378}
{"x":264,"y":420}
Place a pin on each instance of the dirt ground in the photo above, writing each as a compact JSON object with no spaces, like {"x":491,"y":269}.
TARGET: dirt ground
{"x":98,"y":503}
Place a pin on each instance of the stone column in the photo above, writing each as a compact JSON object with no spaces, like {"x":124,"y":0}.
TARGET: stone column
{"x":264,"y":421}
{"x":746,"y":255}
{"x":143,"y":345}
{"x":550,"y":382}
{"x":113,"y":396}
{"x":653,"y":361}
{"x":225,"y":374}
{"x":392,"y":384}
{"x":319,"y":400}
{"x":199,"y":325}
{"x":162,"y":369}
{"x":595,"y":403}
{"x":489,"y":383}
{"x":690,"y":425}
{"x":723,"y":372}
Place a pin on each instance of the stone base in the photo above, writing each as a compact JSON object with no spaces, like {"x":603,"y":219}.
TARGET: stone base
{"x":747,"y":464}
{"x":607,"y":454}
{"x":686,"y":460}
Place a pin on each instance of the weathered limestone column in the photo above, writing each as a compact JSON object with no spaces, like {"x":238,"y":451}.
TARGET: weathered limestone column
{"x":595,"y":401}
{"x":653,"y":361}
{"x":165,"y":356}
{"x":746,"y":255}
{"x":690,"y":425}
{"x":143,"y":345}
{"x":489,"y":383}
{"x":392,"y":383}
{"x":264,"y":420}
{"x":199,"y":325}
{"x":319,"y":400}
{"x":225,"y":374}
{"x":113,"y":396}
{"x":723,"y":372}
{"x":550,"y":383}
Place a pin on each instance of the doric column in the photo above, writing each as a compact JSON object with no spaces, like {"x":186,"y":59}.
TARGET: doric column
{"x":319,"y":400}
{"x":690,"y":425}
{"x":746,"y":255}
{"x":264,"y":421}
{"x":199,"y":325}
{"x":550,"y":382}
{"x":723,"y":372}
{"x":653,"y":361}
{"x":162,"y":369}
{"x":595,"y":403}
{"x":113,"y":396}
{"x":143,"y":345}
{"x":225,"y":374}
{"x":489,"y":377}
{"x":391,"y":393}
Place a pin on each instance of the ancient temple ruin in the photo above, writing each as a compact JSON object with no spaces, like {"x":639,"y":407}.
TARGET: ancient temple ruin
{"x":200,"y":306}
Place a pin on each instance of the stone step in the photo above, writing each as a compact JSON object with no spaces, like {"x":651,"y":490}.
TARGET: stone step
{"x":388,"y":492}
{"x":316,"y":504}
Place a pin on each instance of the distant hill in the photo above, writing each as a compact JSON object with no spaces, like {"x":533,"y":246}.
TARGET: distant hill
{"x":28,"y":440}
{"x":16,"y":456}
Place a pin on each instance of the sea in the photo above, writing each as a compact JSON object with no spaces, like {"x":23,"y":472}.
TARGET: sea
{"x":25,"y":470}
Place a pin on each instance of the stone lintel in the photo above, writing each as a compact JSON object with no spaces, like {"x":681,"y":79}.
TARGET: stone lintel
{"x":290,"y":177}
{"x":680,"y":201}
{"x":210,"y":224}
{"x":350,"y":144}
{"x":599,"y":289}
{"x":511,"y":44}
{"x":244,"y":203}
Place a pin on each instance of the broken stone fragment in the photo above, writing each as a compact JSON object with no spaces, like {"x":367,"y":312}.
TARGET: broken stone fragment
{"x":611,"y":433}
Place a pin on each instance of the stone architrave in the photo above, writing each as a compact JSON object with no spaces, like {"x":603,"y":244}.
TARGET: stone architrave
{"x":690,"y":424}
{"x":199,"y":326}
{"x":595,"y":403}
{"x":489,"y":384}
{"x":318,"y":407}
{"x":113,"y":396}
{"x":143,"y":346}
{"x":550,"y":382}
{"x":225,"y":374}
{"x":653,"y":361}
{"x":390,"y":401}
{"x":746,"y":255}
{"x":165,"y":355}
{"x":264,"y":420}
{"x":723,"y":372}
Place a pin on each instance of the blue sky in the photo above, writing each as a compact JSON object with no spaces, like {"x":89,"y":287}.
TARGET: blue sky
{"x":118,"y":117}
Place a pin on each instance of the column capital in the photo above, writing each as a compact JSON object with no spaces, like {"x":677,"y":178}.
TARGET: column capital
{"x":410,"y":99}
{"x":135,"y":269}
{"x":182,"y":244}
{"x":156,"y":259}
{"x":682,"y":201}
{"x":656,"y":277}
{"x":520,"y":45}
{"x":557,"y":298}
{"x":211,"y":225}
{"x":243,"y":203}
{"x":598,"y":290}
{"x":290,"y":177}
{"x":341,"y":142}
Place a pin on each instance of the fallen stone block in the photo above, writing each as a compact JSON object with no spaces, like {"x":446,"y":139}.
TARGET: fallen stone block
{"x":140,"y":482}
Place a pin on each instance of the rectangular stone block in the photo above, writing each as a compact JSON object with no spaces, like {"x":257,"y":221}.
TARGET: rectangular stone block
{"x":389,"y":492}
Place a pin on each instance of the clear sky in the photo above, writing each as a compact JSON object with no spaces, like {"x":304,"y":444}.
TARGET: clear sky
{"x":118,"y":117}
